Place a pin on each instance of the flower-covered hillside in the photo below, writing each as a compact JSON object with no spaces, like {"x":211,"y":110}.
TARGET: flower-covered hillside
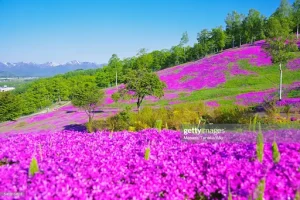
{"x":76,"y":165}
{"x":211,"y":71}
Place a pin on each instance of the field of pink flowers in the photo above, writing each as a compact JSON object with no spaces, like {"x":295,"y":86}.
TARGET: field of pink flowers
{"x":78,"y":165}
{"x":254,"y":98}
{"x":294,"y":64}
{"x":211,"y":71}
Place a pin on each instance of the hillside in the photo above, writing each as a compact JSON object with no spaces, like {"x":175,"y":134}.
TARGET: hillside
{"x":242,"y":76}
{"x":226,"y":74}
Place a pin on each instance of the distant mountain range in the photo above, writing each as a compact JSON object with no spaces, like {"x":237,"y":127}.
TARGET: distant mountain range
{"x":45,"y":69}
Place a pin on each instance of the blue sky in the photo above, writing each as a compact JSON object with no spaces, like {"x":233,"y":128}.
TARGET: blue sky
{"x":92,"y":30}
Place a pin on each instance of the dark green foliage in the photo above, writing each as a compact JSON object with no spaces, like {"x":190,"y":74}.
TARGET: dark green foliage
{"x":87,"y":96}
{"x":254,"y":26}
{"x":10,"y":106}
{"x":116,"y":97}
{"x":143,"y":83}
{"x":119,"y":122}
{"x":231,"y":115}
{"x":234,"y":22}
{"x":33,"y":168}
{"x":279,"y":49}
{"x":294,"y":93}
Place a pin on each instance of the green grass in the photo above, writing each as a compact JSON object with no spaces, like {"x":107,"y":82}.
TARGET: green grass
{"x":161,"y":102}
{"x":294,"y":93}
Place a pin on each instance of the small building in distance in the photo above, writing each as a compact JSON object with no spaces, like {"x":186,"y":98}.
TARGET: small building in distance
{"x":5,"y":88}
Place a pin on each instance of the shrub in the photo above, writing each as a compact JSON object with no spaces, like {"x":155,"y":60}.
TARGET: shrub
{"x":147,"y":117}
{"x":270,"y":108}
{"x":232,"y":115}
{"x":119,"y":122}
{"x":182,"y":114}
{"x":138,"y":125}
{"x":116,"y":97}
{"x":287,"y":110}
{"x":99,"y":125}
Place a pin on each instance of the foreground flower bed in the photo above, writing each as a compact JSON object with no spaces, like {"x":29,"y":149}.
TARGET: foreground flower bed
{"x":100,"y":166}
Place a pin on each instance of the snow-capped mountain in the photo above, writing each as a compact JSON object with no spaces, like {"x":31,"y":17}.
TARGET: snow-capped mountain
{"x":51,"y":64}
{"x":45,"y":69}
{"x":73,"y":62}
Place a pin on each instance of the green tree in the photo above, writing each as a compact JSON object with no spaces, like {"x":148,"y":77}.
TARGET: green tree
{"x":144,"y":60}
{"x":88,"y":97}
{"x":296,"y":15}
{"x":177,"y":54}
{"x":183,"y":41}
{"x":10,"y":106}
{"x":115,"y":68}
{"x":234,"y":22}
{"x":196,"y":52}
{"x":277,"y":27}
{"x":284,"y":9}
{"x":254,"y":25}
{"x":143,"y":83}
{"x":102,"y":78}
{"x":285,"y":13}
{"x":116,"y":97}
{"x":281,"y":48}
{"x":167,"y":58}
{"x":203,"y":39}
{"x":39,"y":95}
{"x":159,"y":59}
{"x":218,"y":37}
{"x":59,"y":89}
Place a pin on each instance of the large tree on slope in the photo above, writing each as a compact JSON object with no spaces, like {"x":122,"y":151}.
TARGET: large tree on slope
{"x":280,"y":45}
{"x":141,"y":83}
